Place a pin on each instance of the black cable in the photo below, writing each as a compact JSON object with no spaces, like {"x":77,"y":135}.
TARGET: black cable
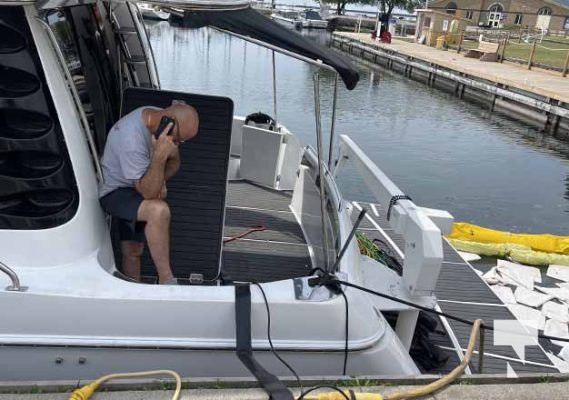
{"x":271,"y":341}
{"x":393,"y":201}
{"x":408,"y":303}
{"x":439,"y":313}
{"x":347,"y":333}
{"x":303,"y":395}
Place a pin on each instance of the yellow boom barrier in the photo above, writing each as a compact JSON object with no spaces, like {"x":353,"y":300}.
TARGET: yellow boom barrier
{"x":538,"y":242}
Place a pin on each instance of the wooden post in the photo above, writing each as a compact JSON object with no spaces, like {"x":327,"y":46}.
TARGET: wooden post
{"x":460,"y":42}
{"x":531,"y":55}
{"x":566,"y":65}
{"x":520,"y":35}
{"x":504,"y":47}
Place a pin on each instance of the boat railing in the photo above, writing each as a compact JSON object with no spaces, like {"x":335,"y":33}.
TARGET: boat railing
{"x":15,"y":287}
{"x":76,"y":98}
{"x":421,"y":230}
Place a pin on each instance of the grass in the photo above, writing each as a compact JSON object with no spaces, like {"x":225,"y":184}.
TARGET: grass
{"x":551,"y":52}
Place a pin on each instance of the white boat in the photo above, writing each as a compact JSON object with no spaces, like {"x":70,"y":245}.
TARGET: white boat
{"x":68,"y":313}
{"x":312,"y":20}
{"x":148,"y":11}
{"x":288,"y":17}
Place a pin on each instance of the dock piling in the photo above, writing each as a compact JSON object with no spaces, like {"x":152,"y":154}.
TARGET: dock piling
{"x":460,"y":42}
{"x":502,"y":54}
{"x":531,"y":54}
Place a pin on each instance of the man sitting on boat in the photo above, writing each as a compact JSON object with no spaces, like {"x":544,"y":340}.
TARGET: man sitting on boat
{"x":136,"y":166}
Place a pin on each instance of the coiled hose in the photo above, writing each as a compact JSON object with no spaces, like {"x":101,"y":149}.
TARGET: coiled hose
{"x":85,"y":392}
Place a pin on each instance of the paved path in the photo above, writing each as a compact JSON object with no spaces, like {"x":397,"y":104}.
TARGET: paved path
{"x":463,"y":392}
{"x":542,"y":82}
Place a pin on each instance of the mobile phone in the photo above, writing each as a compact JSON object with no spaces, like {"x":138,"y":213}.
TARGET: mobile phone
{"x":164,"y":121}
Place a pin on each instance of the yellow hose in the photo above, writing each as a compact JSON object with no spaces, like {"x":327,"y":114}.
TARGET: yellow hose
{"x":84,"y":392}
{"x":411,"y":393}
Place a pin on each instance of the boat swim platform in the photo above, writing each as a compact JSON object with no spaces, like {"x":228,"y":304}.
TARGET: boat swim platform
{"x":461,"y":292}
{"x":538,"y":98}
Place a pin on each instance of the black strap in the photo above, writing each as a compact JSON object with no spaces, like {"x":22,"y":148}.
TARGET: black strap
{"x":272,"y":385}
{"x":394,"y":200}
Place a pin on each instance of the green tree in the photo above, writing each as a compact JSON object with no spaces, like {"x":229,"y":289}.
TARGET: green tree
{"x":387,"y":6}
{"x":340,"y":4}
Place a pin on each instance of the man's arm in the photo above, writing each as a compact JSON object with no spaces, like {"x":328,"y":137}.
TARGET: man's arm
{"x":150,"y":185}
{"x":172,"y":165}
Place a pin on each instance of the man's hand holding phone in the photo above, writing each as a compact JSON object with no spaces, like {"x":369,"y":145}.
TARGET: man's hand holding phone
{"x":162,"y":143}
{"x":165,"y":126}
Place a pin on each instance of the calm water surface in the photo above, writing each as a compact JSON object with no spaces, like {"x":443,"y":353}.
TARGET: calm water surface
{"x":442,"y":152}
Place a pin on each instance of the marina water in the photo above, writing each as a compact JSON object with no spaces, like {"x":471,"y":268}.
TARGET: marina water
{"x":444,"y":153}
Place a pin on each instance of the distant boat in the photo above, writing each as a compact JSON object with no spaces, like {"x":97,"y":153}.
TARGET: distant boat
{"x":149,"y":12}
{"x":312,"y":20}
{"x":288,"y":17}
{"x":307,"y":19}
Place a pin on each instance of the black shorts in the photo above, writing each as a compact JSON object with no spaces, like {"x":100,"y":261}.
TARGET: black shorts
{"x":123,"y":204}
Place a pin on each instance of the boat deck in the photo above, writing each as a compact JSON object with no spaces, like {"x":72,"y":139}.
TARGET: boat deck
{"x":276,"y":253}
{"x":461,"y":292}
{"x":280,"y":252}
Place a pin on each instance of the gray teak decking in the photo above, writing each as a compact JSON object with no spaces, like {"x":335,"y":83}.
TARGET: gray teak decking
{"x":279,"y":252}
{"x":461,"y":292}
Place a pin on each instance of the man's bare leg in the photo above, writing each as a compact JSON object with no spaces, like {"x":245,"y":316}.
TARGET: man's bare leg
{"x":156,"y":214}
{"x":131,"y":253}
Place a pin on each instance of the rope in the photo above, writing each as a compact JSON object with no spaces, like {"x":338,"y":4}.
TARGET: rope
{"x":258,"y":228}
{"x":549,"y":48}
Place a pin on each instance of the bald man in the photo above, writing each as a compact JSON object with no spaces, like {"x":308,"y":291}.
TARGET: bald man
{"x":136,"y":167}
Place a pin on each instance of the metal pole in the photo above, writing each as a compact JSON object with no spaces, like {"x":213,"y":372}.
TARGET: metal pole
{"x":275,"y":92}
{"x":349,"y":239}
{"x":317,"y":63}
{"x":331,"y":149}
{"x":320,"y":180}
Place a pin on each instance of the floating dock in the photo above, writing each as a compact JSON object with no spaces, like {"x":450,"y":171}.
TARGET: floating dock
{"x":537,"y":97}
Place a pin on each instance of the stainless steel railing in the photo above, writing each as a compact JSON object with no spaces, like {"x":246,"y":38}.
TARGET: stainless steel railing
{"x":15,"y":287}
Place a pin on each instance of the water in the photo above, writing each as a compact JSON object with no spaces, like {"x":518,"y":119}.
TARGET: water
{"x":442,"y":152}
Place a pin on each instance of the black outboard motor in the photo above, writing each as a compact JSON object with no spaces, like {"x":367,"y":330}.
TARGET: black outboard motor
{"x":261,"y":120}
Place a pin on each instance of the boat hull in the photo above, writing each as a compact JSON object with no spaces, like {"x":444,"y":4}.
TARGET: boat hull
{"x":23,"y":363}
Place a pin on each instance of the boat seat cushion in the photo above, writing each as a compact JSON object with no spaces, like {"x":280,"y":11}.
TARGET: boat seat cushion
{"x":196,"y":194}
